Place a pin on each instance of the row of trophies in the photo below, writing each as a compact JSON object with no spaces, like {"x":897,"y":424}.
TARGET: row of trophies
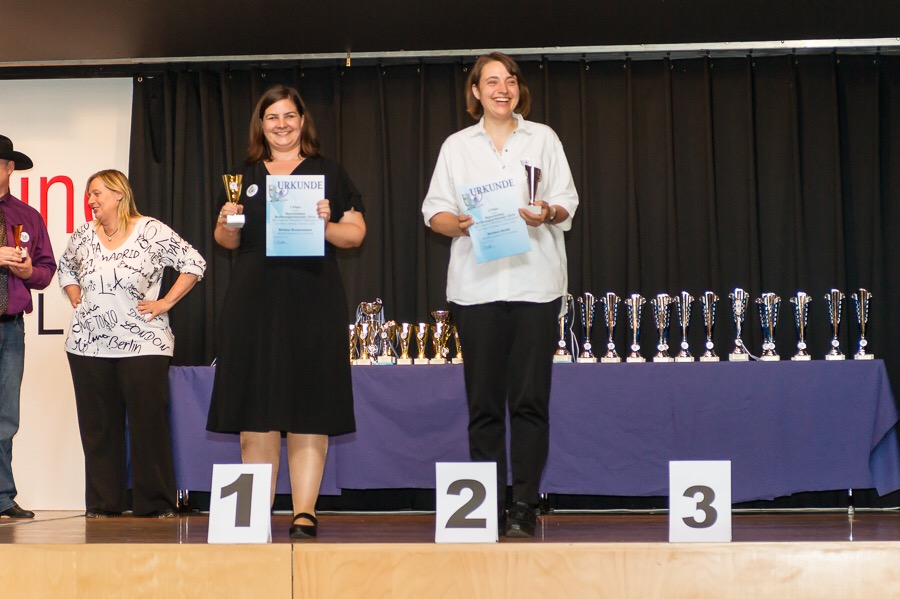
{"x":376,"y":341}
{"x":768,"y":305}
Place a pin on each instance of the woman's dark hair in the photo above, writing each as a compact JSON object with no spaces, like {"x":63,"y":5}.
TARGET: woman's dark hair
{"x":473,"y":105}
{"x":258,"y":148}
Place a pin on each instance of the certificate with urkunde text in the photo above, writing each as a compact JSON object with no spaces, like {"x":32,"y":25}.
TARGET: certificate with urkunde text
{"x":293,"y":228}
{"x":498,"y":230}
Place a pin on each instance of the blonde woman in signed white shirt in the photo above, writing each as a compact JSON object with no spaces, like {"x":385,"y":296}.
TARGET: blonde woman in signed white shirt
{"x":120,"y":344}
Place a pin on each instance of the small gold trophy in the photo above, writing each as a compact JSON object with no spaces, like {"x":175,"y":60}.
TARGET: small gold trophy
{"x":421,"y":339}
{"x":17,"y":237}
{"x":406,"y":331}
{"x":353,"y":340}
{"x":458,"y":358}
{"x":233,"y":185}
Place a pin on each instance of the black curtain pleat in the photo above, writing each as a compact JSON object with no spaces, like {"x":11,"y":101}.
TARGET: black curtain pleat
{"x":773,"y":174}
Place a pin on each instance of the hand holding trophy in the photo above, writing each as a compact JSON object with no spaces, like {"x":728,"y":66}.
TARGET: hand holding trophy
{"x":233,"y":183}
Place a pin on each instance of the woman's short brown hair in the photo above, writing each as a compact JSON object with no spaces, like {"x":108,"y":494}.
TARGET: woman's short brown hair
{"x":473,"y":105}
{"x":258,"y":148}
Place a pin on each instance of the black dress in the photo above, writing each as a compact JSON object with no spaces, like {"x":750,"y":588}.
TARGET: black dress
{"x":282,"y":345}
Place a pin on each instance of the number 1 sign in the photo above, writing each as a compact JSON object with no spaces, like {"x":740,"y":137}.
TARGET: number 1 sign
{"x":239,"y":504}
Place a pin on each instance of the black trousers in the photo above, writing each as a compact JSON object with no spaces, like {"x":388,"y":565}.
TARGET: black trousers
{"x":106,"y":390}
{"x":508,"y":361}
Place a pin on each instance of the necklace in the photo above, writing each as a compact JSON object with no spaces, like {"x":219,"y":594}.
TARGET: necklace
{"x":109,"y":236}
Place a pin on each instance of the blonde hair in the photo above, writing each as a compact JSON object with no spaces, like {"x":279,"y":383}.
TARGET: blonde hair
{"x":117,"y":181}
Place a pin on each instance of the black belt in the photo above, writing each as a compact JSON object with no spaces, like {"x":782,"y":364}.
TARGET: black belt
{"x":9,"y":317}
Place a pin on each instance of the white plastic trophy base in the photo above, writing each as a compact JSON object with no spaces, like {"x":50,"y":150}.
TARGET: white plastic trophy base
{"x":587,"y":360}
{"x":421,"y":361}
{"x":386,"y":361}
{"x":801,"y":358}
{"x":684,"y":360}
{"x":610,"y":360}
{"x":533,"y":209}
{"x":562,"y":359}
{"x":404,"y":361}
{"x":24,"y":253}
{"x":234,"y":221}
{"x":438,"y":361}
{"x":837,"y":357}
{"x":770,"y":358}
{"x":362,"y":362}
{"x":864,"y":356}
{"x":738,"y":357}
{"x":661,"y":359}
{"x":630,"y":360}
{"x":709,"y":358}
{"x":456,"y":361}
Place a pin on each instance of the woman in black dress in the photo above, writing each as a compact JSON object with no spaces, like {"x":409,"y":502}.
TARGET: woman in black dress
{"x":282,"y":359}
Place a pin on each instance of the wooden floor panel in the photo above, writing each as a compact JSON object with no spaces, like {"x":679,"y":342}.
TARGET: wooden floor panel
{"x":61,"y":554}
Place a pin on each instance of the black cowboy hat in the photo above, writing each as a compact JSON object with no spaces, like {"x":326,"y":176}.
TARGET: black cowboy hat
{"x":23,"y":162}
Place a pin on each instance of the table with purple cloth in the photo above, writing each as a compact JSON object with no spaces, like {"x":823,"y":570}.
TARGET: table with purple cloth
{"x":787,"y":427}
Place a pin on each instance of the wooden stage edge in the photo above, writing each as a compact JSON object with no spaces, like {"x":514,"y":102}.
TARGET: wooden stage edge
{"x":825,"y":554}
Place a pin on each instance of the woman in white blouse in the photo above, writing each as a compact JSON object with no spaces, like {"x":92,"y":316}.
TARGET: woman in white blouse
{"x":120,"y":345}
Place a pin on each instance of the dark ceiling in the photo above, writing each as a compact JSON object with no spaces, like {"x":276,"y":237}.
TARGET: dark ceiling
{"x":51,"y":31}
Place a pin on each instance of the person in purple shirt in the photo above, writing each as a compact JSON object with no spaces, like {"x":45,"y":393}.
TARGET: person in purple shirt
{"x":29,"y":266}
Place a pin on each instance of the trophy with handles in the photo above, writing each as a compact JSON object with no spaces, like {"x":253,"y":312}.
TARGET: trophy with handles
{"x":861,"y":302}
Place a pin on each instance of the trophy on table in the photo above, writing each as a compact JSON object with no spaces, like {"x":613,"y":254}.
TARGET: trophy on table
{"x":661,"y":312}
{"x":610,"y":303}
{"x":386,"y":355}
{"x":634,"y":305}
{"x":362,"y":333}
{"x":440,"y":336}
{"x":861,"y":303}
{"x":421,"y":331}
{"x":458,"y":358}
{"x":404,"y":334}
{"x":801,"y":318}
{"x":683,"y":304}
{"x":562,"y":354}
{"x":533,"y":177}
{"x":708,"y":302}
{"x":768,"y":317}
{"x":233,"y":192}
{"x":834,"y":298}
{"x":353,"y":340}
{"x":369,"y":317}
{"x":739,"y":301}
{"x":587,"y":302}
{"x":17,"y":239}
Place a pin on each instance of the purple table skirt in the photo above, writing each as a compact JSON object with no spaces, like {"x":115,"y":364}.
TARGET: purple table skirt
{"x":786,"y":427}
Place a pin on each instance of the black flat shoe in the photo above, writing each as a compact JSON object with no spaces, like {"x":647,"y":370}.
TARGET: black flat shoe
{"x":521,"y":521}
{"x":102,"y":514}
{"x":304,"y":531}
{"x":16,"y":512}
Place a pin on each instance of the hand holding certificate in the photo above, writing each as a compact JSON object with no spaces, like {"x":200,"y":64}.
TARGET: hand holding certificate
{"x":293,"y":224}
{"x":499,"y":230}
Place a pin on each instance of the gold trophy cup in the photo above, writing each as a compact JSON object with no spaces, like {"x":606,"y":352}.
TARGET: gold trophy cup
{"x":233,"y":185}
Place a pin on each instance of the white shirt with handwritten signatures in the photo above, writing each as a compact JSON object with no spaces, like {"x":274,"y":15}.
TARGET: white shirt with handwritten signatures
{"x":107,"y":324}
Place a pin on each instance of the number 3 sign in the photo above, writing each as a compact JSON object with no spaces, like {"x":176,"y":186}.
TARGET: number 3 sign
{"x":239,"y":504}
{"x":699,"y":501}
{"x":466,"y":502}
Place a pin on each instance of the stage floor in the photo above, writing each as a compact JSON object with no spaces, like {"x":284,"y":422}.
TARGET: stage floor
{"x":787,"y":554}
{"x":757,"y":527}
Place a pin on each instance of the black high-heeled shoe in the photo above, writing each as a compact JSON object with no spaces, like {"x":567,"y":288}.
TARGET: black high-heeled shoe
{"x":304,"y":531}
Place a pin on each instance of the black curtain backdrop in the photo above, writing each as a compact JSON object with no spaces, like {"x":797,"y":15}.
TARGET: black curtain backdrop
{"x":774,"y":174}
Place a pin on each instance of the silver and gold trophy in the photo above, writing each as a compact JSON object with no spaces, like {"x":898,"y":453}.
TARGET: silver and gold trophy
{"x":404,"y":334}
{"x":562,"y":355}
{"x":610,"y":303}
{"x":861,"y":303}
{"x":683,"y":304}
{"x":421,"y":342}
{"x":369,"y":319}
{"x":801,"y":319}
{"x":587,"y":303}
{"x":386,"y":355}
{"x":661,"y":313}
{"x":739,"y":300}
{"x":532,"y":177}
{"x":458,"y":358}
{"x":233,"y":184}
{"x":768,"y":317}
{"x":440,"y":336}
{"x":834,"y":298}
{"x":708,"y":303}
{"x":634,"y":305}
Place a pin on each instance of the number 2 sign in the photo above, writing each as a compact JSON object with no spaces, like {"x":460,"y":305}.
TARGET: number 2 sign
{"x":239,"y":504}
{"x":466,"y":502}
